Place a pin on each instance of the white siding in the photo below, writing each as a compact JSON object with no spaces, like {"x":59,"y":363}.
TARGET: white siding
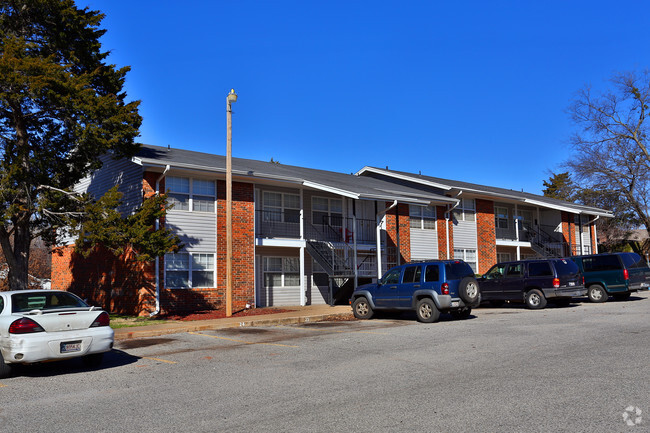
{"x":424,"y":244}
{"x":317,"y":284}
{"x":465,"y":234}
{"x":121,"y":172}
{"x":197,"y":230}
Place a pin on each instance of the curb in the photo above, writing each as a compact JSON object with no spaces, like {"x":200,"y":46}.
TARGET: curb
{"x":123,"y":334}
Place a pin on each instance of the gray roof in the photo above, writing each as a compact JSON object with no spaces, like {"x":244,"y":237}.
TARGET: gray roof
{"x":349,"y":185}
{"x":491,"y":191}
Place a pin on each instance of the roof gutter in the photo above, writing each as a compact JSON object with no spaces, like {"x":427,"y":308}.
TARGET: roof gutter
{"x":380,"y":216}
{"x":157,"y":310}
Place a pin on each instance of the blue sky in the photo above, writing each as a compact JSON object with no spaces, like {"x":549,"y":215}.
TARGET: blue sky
{"x":467,"y":90}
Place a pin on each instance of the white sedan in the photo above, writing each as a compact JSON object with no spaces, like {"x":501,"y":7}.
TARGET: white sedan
{"x":45,"y":325}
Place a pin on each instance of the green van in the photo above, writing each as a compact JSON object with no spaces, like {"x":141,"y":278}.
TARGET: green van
{"x":616,"y":274}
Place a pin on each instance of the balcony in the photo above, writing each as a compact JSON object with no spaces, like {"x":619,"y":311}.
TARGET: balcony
{"x":331,"y":228}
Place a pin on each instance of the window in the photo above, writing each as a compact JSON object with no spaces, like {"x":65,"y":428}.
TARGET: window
{"x":189,"y":270}
{"x":392,"y":277}
{"x":202,"y":196}
{"x":515,"y":270}
{"x":432,"y":273}
{"x":423,"y":217}
{"x":281,"y":272}
{"x":503,"y":257}
{"x":468,"y":255}
{"x":21,"y":302}
{"x":466,"y":210}
{"x":281,"y":207}
{"x":539,"y":269}
{"x":179,"y":192}
{"x":501,"y":217}
{"x":495,"y":272}
{"x":327,"y":211}
{"x":412,"y":274}
{"x":601,"y":263}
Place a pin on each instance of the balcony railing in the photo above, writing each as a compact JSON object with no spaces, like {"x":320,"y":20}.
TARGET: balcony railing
{"x":331,"y":228}
{"x":277,"y":224}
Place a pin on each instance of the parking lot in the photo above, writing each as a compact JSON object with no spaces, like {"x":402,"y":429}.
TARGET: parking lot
{"x":505,"y":369}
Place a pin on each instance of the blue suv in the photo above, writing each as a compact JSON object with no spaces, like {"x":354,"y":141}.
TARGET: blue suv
{"x":428,"y":287}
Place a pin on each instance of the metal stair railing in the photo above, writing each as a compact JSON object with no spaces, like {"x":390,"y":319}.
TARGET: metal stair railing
{"x":541,"y":242}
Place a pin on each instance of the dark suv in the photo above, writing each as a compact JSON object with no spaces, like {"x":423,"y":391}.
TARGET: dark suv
{"x":427,"y":287}
{"x":616,"y":274}
{"x":532,"y":281}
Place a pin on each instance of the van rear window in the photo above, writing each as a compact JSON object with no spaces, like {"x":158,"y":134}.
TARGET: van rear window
{"x":633,"y":260}
{"x":607,"y":262}
{"x":565,"y":267}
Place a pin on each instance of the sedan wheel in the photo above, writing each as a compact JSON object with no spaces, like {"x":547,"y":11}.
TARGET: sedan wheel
{"x":5,"y":369}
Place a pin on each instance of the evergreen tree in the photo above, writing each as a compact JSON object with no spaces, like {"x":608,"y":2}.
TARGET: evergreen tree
{"x":560,"y":186}
{"x":61,"y":108}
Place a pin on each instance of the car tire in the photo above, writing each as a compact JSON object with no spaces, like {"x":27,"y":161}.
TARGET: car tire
{"x":5,"y":369}
{"x":461,"y":314}
{"x":93,"y":361}
{"x":468,"y":290}
{"x":535,"y":299}
{"x":427,"y":311}
{"x":597,"y":293}
{"x":361,"y":308}
{"x":622,"y":296}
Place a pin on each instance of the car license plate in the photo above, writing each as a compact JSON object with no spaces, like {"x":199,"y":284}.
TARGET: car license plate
{"x":71,"y":346}
{"x":455,"y":303}
{"x":572,"y":283}
{"x":645,"y":285}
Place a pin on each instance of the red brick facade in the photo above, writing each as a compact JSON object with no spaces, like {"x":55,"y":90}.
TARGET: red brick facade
{"x":398,"y":231}
{"x":442,"y":233}
{"x":125,"y":286}
{"x":486,"y":235}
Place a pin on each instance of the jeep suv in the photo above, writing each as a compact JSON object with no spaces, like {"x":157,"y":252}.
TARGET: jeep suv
{"x":428,"y":287}
{"x":616,"y":274}
{"x":532,"y":281}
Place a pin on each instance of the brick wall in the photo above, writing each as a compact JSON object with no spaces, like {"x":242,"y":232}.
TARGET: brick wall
{"x":117,"y":284}
{"x":568,"y":233}
{"x":486,"y":234}
{"x":442,"y":233}
{"x":398,"y":230}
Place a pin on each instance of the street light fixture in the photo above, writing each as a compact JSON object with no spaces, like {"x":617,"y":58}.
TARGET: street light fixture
{"x":232,"y":97}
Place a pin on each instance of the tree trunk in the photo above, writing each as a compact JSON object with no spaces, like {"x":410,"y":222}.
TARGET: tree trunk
{"x":17,"y":255}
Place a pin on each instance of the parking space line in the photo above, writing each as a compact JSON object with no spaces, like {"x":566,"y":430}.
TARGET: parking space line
{"x":239,"y":341}
{"x":341,"y":332}
{"x":158,"y":359}
{"x":3,"y":385}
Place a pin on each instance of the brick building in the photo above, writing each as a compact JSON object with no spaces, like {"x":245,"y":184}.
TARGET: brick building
{"x":304,"y":236}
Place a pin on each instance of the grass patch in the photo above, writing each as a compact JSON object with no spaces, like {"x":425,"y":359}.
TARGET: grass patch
{"x":124,"y":321}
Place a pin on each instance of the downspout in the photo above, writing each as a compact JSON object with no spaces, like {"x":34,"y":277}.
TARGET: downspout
{"x":447,"y":214}
{"x":157,"y":310}
{"x":381,"y":213}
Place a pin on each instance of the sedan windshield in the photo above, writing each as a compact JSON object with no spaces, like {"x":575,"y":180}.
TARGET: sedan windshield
{"x":21,"y":302}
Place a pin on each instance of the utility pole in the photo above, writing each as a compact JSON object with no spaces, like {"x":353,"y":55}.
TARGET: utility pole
{"x":232,"y":97}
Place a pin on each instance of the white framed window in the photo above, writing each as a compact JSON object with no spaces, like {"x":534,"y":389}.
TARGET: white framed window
{"x":422,"y":217}
{"x":281,"y":272}
{"x":468,"y":255}
{"x":501,"y":217}
{"x":503,"y":257}
{"x":327,"y":211}
{"x":195,"y":195}
{"x":189,"y":270}
{"x":466,"y":210}
{"x":281,"y":207}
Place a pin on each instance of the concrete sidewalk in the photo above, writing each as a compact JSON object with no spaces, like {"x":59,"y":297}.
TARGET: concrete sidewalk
{"x":312,"y":313}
